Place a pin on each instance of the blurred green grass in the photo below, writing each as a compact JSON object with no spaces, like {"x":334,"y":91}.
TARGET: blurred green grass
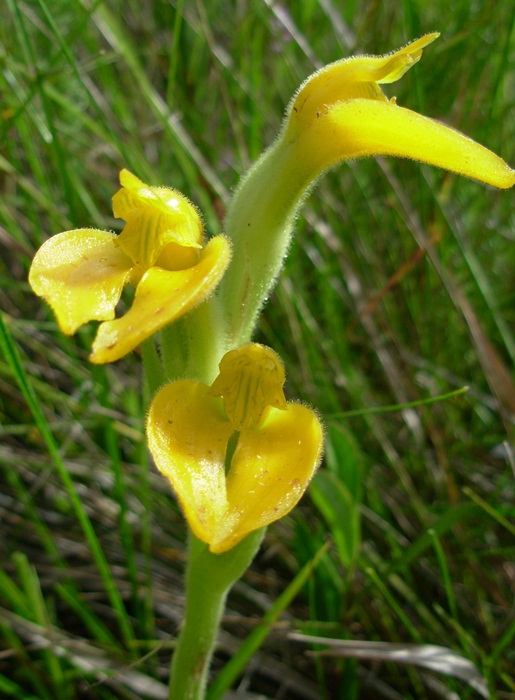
{"x":397,"y":288}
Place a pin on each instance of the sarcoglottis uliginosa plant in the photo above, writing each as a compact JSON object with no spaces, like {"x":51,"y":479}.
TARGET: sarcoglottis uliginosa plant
{"x":237,"y":454}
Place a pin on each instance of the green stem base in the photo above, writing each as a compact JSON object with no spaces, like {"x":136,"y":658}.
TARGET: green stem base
{"x":209,"y":578}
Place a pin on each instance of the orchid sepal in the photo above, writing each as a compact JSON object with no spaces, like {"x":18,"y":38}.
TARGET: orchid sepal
{"x":81,"y":274}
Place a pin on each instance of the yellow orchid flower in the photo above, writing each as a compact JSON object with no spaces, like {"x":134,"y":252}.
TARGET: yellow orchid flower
{"x":340,"y":112}
{"x":237,"y":463}
{"x":81,"y":273}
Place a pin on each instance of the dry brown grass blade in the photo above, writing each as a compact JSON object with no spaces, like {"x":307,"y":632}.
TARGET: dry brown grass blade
{"x":84,"y":657}
{"x":428,"y":656}
{"x":494,"y":368}
{"x":495,"y":371}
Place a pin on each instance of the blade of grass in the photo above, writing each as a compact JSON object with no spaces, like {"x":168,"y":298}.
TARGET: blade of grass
{"x":490,"y":510}
{"x":13,"y":358}
{"x":399,"y":406}
{"x":187,"y":153}
{"x":59,"y":154}
{"x":39,"y":614}
{"x":446,"y":522}
{"x":13,"y":690}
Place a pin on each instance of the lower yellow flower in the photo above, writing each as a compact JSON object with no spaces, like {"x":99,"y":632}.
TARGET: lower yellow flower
{"x":81,"y":273}
{"x":231,"y":480}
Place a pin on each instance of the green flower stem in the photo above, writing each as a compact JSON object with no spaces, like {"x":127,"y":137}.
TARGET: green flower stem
{"x":209,"y":577}
{"x":174,"y":349}
{"x":154,"y":375}
{"x":259,"y":224}
{"x":206,"y":340}
{"x":192,"y":346}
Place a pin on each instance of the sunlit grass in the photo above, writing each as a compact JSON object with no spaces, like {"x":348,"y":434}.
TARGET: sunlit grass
{"x":397,"y":289}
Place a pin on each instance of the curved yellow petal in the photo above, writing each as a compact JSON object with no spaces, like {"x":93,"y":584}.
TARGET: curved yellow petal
{"x":177,"y":257}
{"x":148,"y":231}
{"x":187,"y":436}
{"x":135,"y":194}
{"x":161,"y":297}
{"x":81,"y":274}
{"x":363,"y":127}
{"x":412,"y":51}
{"x":351,"y":78}
{"x":270,"y":470}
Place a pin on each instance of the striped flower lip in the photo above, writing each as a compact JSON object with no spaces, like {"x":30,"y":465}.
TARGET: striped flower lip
{"x":160,"y":251}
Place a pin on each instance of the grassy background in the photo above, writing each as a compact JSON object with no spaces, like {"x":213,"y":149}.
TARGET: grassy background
{"x":396,"y":289}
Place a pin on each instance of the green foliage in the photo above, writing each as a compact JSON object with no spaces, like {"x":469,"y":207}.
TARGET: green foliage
{"x":396,"y":290}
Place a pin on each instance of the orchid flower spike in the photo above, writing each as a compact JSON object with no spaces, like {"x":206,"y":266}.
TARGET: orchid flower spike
{"x":239,"y":462}
{"x":161,"y":252}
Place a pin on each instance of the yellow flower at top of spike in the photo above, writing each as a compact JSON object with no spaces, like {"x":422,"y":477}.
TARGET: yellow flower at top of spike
{"x":237,"y":463}
{"x":341,"y":112}
{"x":81,"y":273}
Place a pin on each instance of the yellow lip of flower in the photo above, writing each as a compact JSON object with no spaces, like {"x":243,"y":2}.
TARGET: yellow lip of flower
{"x":340,"y":112}
{"x":81,"y":273}
{"x":273,"y":462}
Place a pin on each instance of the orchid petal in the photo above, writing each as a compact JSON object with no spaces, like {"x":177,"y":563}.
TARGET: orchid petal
{"x":148,"y":231}
{"x":161,"y":297}
{"x":351,"y":78}
{"x":81,"y":274}
{"x":270,"y":470}
{"x":412,"y":51}
{"x":251,"y":379}
{"x":360,"y":127}
{"x":187,"y":436}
